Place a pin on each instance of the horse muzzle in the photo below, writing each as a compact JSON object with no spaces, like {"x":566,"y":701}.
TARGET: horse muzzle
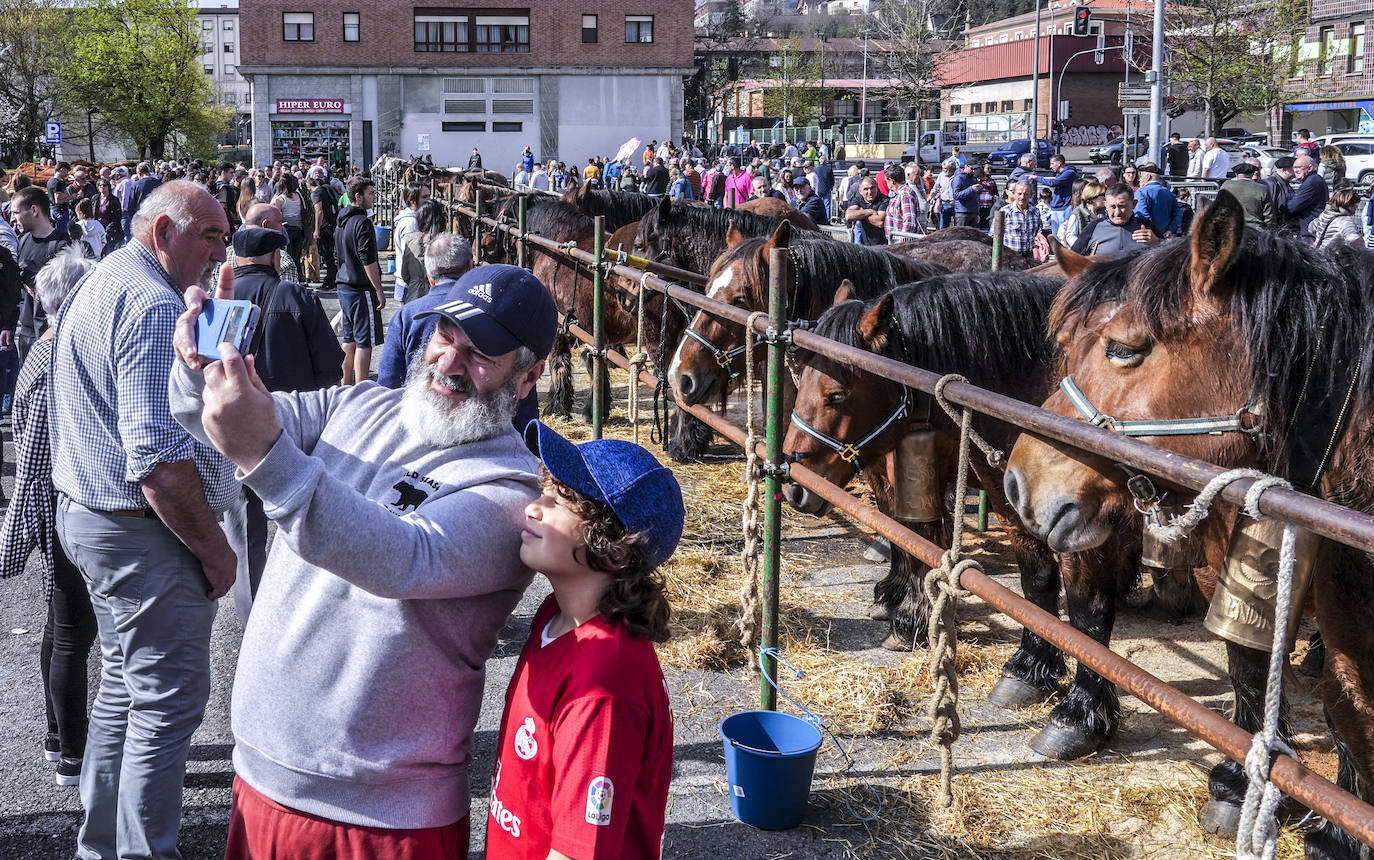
{"x":804,"y":501}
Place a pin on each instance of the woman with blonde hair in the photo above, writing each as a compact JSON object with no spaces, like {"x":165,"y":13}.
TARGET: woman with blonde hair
{"x":248,"y":195}
{"x":1088,"y":202}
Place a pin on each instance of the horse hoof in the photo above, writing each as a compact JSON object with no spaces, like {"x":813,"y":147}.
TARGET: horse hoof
{"x":1013,"y":693}
{"x":1311,"y":665}
{"x":893,"y":642}
{"x":1065,"y":743}
{"x":879,"y":551}
{"x":878,"y":612}
{"x":1221,"y":818}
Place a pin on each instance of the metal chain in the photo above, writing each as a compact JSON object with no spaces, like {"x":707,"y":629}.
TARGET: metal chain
{"x":638,"y":360}
{"x":943,"y":592}
{"x":1257,"y":834}
{"x":751,"y":608}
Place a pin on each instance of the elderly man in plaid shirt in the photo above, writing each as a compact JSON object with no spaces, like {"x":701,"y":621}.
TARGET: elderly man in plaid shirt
{"x":907,"y":204}
{"x":1023,"y":219}
{"x":137,"y":503}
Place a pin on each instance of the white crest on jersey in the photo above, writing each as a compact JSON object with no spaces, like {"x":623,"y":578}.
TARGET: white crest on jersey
{"x":525,"y":745}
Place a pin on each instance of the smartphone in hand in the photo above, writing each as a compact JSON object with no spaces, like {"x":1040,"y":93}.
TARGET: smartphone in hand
{"x":231,"y":321}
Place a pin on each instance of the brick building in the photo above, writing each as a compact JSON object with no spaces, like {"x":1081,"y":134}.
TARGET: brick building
{"x":1334,"y":90}
{"x":568,"y":79}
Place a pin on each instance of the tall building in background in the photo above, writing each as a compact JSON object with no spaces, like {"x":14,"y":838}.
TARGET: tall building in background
{"x":219,"y":43}
{"x":355,"y":81}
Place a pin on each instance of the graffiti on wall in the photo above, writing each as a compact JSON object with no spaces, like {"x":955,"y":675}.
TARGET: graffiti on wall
{"x":1090,"y":135}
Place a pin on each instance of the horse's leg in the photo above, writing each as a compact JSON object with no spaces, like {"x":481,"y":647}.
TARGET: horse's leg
{"x":902,"y":592}
{"x":603,"y":379}
{"x":560,"y":378}
{"x":1342,"y":582}
{"x":1249,"y":672}
{"x":1089,"y":713}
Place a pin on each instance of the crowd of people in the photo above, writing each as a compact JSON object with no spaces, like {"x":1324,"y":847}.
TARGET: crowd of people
{"x":147,"y":474}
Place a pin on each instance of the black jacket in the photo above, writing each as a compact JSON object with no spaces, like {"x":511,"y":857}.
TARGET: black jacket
{"x":296,"y":346}
{"x":355,"y":246}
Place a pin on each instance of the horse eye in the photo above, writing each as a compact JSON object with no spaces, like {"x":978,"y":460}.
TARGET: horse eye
{"x":1121,"y":352}
{"x":835,"y":397}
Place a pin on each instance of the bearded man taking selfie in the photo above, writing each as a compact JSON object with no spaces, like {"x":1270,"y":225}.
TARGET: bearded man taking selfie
{"x":396,"y":563}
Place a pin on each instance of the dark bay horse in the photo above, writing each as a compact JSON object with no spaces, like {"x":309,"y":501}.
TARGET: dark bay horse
{"x":711,"y":355}
{"x":988,"y":327}
{"x":1243,"y":323}
{"x":691,"y":237}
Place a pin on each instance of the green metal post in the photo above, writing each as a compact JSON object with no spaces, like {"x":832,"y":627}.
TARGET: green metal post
{"x":477,"y":228}
{"x":598,"y":323}
{"x":779,"y":276}
{"x":520,"y":220}
{"x":999,"y":229}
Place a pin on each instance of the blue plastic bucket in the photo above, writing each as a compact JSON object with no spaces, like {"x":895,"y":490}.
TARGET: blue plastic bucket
{"x":769,"y":760}
{"x":383,"y":238}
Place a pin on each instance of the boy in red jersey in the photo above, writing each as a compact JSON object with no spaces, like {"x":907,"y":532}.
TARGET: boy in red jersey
{"x":585,"y":751}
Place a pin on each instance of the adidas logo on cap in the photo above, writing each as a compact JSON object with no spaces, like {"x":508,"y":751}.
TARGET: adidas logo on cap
{"x":481,"y":291}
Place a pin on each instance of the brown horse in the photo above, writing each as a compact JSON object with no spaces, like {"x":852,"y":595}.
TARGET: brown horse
{"x":846,"y":422}
{"x":710,"y":357}
{"x":1244,"y":324}
{"x":772,"y":207}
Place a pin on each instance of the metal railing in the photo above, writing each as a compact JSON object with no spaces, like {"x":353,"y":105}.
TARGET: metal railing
{"x":1341,"y":524}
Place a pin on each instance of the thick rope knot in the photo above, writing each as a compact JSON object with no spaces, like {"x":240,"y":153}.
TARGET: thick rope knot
{"x":996,"y":459}
{"x":751,"y":607}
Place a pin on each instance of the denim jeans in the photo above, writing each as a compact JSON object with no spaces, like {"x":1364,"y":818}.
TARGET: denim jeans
{"x":9,"y":375}
{"x":148,"y":594}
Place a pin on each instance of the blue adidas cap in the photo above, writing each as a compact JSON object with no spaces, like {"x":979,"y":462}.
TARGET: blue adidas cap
{"x":501,"y":308}
{"x":642,"y":493}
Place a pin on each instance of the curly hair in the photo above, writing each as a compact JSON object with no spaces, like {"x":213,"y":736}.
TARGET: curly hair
{"x":636,"y":595}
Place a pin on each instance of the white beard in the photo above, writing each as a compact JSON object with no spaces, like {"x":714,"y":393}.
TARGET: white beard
{"x":438,"y":422}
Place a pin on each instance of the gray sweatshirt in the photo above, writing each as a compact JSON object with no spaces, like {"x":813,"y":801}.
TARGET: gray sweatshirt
{"x":395,"y":565}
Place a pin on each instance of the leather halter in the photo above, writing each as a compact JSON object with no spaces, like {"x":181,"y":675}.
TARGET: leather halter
{"x":849,"y":451}
{"x":1209,"y":426}
{"x":724,"y":357}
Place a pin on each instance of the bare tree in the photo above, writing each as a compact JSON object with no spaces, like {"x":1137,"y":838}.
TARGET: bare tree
{"x":1230,"y":58}
{"x":31,"y":46}
{"x":794,"y":91}
{"x":913,"y":44}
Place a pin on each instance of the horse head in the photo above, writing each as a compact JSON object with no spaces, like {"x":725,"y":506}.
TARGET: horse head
{"x":844,"y":419}
{"x":711,"y":354}
{"x":1151,"y":336}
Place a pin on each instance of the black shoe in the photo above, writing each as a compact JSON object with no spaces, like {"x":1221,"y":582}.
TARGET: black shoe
{"x":52,"y":748}
{"x":69,"y":771}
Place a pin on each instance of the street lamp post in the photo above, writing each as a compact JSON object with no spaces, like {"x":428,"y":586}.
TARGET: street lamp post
{"x":1035,"y":84}
{"x":863,"y":94}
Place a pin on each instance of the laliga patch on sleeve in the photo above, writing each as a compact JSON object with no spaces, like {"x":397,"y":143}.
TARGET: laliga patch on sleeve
{"x":600,"y":793}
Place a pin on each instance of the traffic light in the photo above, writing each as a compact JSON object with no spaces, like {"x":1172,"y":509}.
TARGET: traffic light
{"x":1175,"y":107}
{"x":1082,"y":16}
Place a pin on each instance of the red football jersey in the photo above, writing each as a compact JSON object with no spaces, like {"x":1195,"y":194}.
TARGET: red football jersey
{"x":585,"y":752}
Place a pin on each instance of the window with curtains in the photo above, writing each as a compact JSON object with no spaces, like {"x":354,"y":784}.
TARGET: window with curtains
{"x":298,"y":26}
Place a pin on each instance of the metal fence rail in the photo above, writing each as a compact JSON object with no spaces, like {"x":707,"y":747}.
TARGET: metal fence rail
{"x":1341,"y":524}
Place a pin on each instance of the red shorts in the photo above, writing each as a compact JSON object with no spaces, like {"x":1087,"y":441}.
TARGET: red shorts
{"x":262,"y":829}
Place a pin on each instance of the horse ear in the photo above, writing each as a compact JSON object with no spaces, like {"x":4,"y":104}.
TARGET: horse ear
{"x":1070,"y":263}
{"x":732,"y":235}
{"x":844,"y":292}
{"x":781,"y":237}
{"x":875,"y":323}
{"x":1216,"y":241}
{"x":665,"y":207}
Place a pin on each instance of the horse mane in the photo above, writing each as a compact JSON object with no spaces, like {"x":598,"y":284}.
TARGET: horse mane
{"x":821,"y":263}
{"x":1303,"y":313}
{"x":935,"y":317}
{"x":552,"y":218}
{"x":618,"y":207}
{"x":713,"y":221}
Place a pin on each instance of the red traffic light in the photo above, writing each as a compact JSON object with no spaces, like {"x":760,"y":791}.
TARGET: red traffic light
{"x":1081,"y":17}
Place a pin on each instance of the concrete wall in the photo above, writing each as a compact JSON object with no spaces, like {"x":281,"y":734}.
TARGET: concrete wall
{"x":598,"y":114}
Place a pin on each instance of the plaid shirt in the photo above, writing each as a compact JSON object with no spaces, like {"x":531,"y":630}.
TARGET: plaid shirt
{"x":903,"y":211}
{"x":108,"y":413}
{"x":30,"y":519}
{"x":1021,"y":228}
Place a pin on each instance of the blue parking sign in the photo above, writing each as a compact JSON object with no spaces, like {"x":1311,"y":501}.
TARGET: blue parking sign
{"x":52,"y":131}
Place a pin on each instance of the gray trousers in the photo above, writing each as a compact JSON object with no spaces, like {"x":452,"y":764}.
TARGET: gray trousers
{"x":148,"y":593}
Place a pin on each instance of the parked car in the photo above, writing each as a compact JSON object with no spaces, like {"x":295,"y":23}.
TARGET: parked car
{"x":1111,"y":151}
{"x":1265,"y":154}
{"x":1240,"y":135}
{"x":1010,"y":155}
{"x":1359,"y":160}
{"x":1332,"y":139}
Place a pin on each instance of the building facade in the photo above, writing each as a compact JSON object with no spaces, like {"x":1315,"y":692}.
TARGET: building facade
{"x":355,"y":81}
{"x":219,"y":42}
{"x":1335,"y":86}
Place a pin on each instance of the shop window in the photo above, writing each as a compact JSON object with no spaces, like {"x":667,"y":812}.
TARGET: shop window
{"x":298,"y":26}
{"x":639,"y":28}
{"x":351,"y":26}
{"x":589,"y":29}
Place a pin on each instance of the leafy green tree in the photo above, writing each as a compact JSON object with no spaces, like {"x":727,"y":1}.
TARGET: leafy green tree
{"x":794,"y":91}
{"x":30,"y":48}
{"x":138,"y":62}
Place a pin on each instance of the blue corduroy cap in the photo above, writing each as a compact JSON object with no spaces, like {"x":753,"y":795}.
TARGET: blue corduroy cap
{"x":642,"y":493}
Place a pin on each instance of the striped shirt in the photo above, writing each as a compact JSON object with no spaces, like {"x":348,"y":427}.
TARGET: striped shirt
{"x":108,"y":413}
